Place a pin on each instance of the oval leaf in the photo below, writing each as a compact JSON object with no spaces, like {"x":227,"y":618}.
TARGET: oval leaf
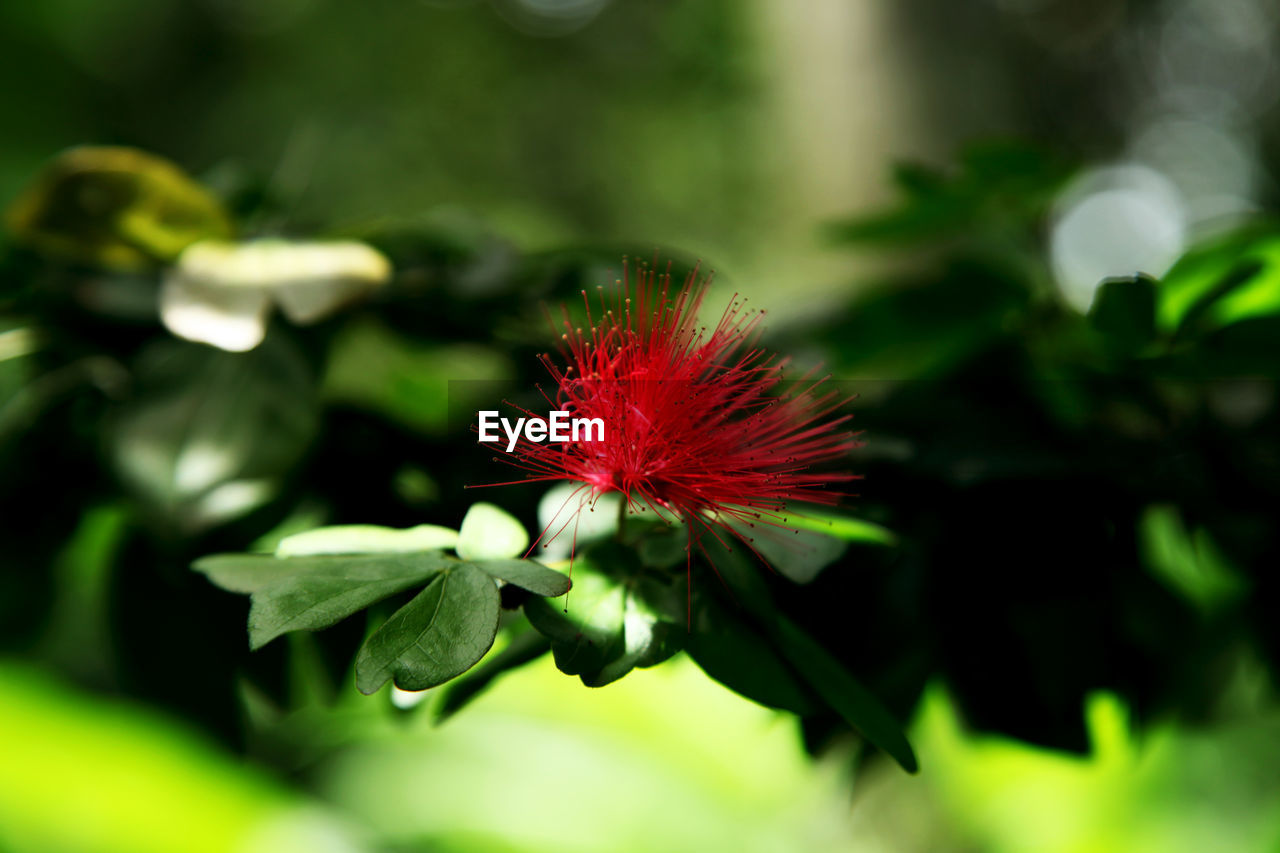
{"x":529,"y":575}
{"x":444,"y":631}
{"x":587,"y":633}
{"x":491,"y":533}
{"x":800,"y":556}
{"x":647,"y":640}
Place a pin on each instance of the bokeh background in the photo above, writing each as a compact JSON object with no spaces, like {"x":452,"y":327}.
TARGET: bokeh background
{"x":1056,"y":144}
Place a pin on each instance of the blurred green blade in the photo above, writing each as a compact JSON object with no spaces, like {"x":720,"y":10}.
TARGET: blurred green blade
{"x":84,"y":773}
{"x":1233,"y":279}
{"x":837,"y":687}
{"x":444,"y":631}
{"x":838,"y":526}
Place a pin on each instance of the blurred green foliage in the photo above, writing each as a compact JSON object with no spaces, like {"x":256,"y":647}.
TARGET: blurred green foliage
{"x":1066,"y":537}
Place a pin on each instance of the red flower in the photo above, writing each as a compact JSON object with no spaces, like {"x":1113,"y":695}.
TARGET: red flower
{"x":697,"y":423}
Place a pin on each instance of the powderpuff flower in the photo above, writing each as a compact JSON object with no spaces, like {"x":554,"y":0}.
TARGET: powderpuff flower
{"x":698,"y":423}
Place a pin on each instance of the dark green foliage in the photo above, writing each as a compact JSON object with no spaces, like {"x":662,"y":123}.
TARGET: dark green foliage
{"x":732,"y":652}
{"x":440,"y":633}
{"x":1053,"y":504}
{"x":1124,"y":311}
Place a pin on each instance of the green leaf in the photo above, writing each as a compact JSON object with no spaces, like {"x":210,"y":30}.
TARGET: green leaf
{"x":247,"y":573}
{"x":588,"y":632}
{"x":1124,"y":311}
{"x":444,"y":631}
{"x":596,"y":519}
{"x":529,"y":575}
{"x":801,"y":557}
{"x":663,"y":546}
{"x":115,"y":207}
{"x":798,"y":555}
{"x":799,"y":547}
{"x":647,"y":640}
{"x":1189,"y":564}
{"x":524,"y":648}
{"x":1235,"y":279}
{"x":738,"y":656}
{"x":491,"y":533}
{"x":367,"y":539}
{"x":842,"y":527}
{"x":857,"y":705}
{"x":740,"y":572}
{"x":325,"y":590}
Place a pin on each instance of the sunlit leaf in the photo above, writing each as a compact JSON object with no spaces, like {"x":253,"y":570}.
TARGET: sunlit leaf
{"x":1235,"y":279}
{"x":321,"y":591}
{"x":230,"y":319}
{"x":444,"y":631}
{"x":490,"y":533}
{"x":800,"y":556}
{"x":586,"y":628}
{"x":1189,"y":564}
{"x":839,"y":526}
{"x":799,"y":546}
{"x":648,"y":640}
{"x":367,"y":539}
{"x":583,"y":517}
